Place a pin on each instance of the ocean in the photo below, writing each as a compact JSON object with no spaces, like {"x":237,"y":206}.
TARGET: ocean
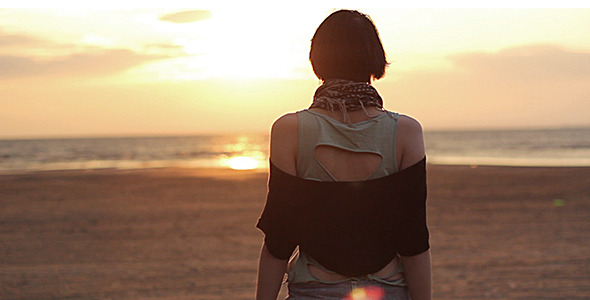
{"x":555,"y":147}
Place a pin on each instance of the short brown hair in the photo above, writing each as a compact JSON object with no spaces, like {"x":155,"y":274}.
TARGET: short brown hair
{"x":346,"y":45}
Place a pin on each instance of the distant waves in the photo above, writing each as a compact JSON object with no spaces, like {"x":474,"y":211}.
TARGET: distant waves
{"x":563,"y":147}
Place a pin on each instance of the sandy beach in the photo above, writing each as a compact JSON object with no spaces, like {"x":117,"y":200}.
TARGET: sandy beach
{"x":496,"y":232}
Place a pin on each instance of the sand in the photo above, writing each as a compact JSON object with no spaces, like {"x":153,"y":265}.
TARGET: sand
{"x":496,"y":232}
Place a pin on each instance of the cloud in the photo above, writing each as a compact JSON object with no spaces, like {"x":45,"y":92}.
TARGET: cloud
{"x":532,"y":85}
{"x":25,"y":55}
{"x":172,"y":50}
{"x":96,"y":63}
{"x":530,"y":63}
{"x":10,"y":40}
{"x":187,"y":16}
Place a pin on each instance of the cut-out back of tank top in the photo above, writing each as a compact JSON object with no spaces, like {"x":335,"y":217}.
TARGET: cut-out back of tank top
{"x":330,"y":150}
{"x":346,"y":165}
{"x":369,"y":143}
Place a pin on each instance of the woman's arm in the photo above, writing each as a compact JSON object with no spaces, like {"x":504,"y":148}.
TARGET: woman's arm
{"x":417,"y":270}
{"x":284,"y":141}
{"x":283,"y":153}
{"x":270,"y":275}
{"x":409,"y":142}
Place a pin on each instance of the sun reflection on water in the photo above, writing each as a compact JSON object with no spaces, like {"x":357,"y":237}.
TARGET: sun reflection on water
{"x":243,"y":163}
{"x":245,"y":152}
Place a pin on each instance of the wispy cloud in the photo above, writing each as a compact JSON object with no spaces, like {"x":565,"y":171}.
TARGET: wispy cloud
{"x":527,"y":63}
{"x":26,"y":44}
{"x":26,"y":55}
{"x":14,"y":39}
{"x":532,"y":85}
{"x":187,"y":16}
{"x":95,"y":63}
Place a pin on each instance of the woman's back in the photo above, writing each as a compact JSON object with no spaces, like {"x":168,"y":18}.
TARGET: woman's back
{"x":330,"y":150}
{"x":345,"y":165}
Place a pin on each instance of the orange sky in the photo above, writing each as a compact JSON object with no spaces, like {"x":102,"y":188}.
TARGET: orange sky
{"x":80,"y":72}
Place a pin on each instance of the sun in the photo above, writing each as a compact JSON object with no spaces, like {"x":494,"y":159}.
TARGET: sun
{"x":232,"y":44}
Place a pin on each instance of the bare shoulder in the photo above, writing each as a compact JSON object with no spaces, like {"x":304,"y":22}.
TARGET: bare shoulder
{"x":284,"y":143}
{"x":409,"y":124}
{"x":410,"y":139}
{"x":286,"y":124}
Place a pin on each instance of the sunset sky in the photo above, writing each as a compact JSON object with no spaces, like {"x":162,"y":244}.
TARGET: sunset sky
{"x":105,"y":72}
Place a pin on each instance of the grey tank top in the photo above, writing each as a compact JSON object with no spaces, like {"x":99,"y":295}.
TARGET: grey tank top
{"x":376,"y":135}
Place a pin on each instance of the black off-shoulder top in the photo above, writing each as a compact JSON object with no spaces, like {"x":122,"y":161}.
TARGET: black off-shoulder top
{"x":353,"y":228}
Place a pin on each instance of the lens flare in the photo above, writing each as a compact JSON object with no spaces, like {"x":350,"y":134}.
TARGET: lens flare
{"x":366,"y":293}
{"x":242,"y":163}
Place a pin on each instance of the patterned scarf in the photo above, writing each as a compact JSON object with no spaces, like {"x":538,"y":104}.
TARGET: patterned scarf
{"x":346,"y":95}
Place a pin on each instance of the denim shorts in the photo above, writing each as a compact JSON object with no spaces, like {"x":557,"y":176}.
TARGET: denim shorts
{"x":351,"y":289}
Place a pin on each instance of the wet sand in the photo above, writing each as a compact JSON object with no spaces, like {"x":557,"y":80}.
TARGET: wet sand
{"x":496,"y":232}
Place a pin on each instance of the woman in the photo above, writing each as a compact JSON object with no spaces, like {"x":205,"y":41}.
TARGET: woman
{"x":347,"y":182}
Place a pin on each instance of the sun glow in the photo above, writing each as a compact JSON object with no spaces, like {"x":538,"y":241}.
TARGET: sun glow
{"x":232,"y":44}
{"x":243,"y":163}
{"x":241,"y":45}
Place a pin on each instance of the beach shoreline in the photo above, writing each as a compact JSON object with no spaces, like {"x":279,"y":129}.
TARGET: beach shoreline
{"x":176,"y":233}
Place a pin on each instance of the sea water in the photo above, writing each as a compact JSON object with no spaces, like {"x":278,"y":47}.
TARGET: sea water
{"x":555,"y":147}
